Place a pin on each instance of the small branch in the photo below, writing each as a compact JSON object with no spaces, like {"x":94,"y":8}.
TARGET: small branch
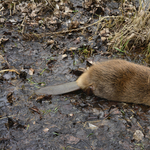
{"x":10,"y":70}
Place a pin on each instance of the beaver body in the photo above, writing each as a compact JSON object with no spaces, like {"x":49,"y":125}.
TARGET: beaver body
{"x":118,"y":80}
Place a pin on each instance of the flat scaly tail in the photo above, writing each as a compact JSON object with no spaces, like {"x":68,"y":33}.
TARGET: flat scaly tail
{"x":58,"y":89}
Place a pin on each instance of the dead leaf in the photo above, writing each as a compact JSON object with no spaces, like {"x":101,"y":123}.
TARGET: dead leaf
{"x":46,"y":130}
{"x":72,"y":140}
{"x":31,"y":71}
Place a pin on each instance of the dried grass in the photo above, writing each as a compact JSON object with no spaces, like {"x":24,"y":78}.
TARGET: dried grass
{"x":135,"y":33}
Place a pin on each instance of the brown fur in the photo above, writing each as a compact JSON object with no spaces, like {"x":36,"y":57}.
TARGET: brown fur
{"x":118,"y":80}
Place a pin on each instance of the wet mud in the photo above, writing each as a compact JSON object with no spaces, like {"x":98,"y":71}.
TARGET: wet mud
{"x":32,"y":55}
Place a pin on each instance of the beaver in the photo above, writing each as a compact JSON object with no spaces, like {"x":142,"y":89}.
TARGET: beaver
{"x":117,"y":80}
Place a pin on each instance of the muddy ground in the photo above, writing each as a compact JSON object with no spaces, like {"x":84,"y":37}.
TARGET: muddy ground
{"x":34,"y":53}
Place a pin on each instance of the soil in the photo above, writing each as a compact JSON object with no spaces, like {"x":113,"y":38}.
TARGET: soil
{"x":34,"y":52}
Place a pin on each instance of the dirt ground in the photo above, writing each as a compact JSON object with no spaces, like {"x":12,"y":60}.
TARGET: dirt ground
{"x":49,"y":43}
